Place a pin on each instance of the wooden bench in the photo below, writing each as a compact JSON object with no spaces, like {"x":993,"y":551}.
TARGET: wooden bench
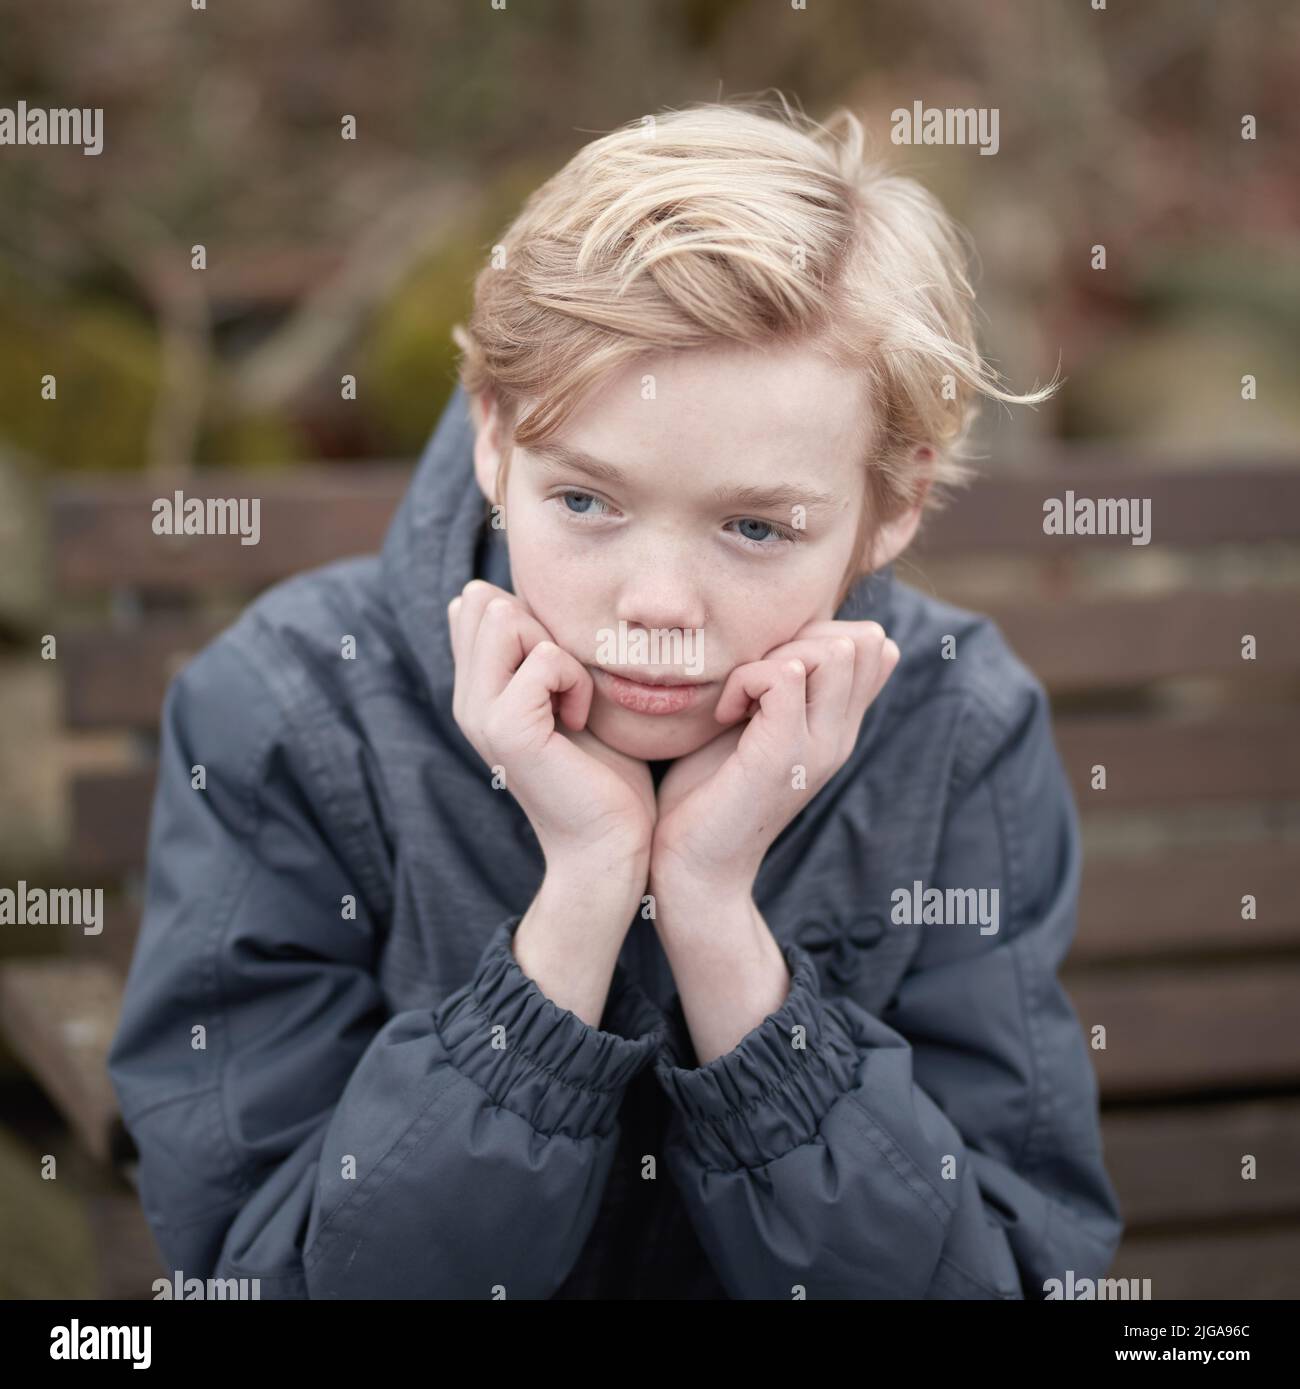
{"x":1141,"y":648}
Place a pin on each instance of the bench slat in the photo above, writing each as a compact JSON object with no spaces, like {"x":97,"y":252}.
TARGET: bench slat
{"x":1116,"y":643}
{"x":1191,"y":503}
{"x":103,"y":534}
{"x":1254,"y":1264}
{"x":117,"y":678}
{"x":110,"y":821}
{"x":1171,"y":1164}
{"x":1171,"y":904}
{"x":1183,"y":901}
{"x":1244,"y":753}
{"x":1149,"y":762}
{"x":1173,"y":1031}
{"x":103,"y":531}
{"x":60,"y":1016}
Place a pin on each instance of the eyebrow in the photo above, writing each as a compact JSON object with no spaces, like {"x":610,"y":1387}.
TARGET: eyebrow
{"x":555,"y":455}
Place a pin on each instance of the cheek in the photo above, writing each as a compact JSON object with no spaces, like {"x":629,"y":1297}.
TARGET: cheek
{"x":768,"y":611}
{"x":545,"y":577}
{"x":758,"y":628}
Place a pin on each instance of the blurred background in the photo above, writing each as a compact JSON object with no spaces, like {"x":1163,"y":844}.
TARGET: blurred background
{"x":1120,"y":127}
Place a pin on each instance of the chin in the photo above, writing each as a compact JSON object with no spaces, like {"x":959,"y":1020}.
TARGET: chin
{"x":652,"y":738}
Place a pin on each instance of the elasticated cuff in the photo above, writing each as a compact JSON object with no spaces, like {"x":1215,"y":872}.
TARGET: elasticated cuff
{"x":768,"y":1094}
{"x":552,"y":1069}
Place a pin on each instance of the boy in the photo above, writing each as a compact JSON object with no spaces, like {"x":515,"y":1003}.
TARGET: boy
{"x":665,"y":901}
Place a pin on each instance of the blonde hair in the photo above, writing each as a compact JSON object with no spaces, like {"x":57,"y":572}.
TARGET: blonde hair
{"x":740,"y":223}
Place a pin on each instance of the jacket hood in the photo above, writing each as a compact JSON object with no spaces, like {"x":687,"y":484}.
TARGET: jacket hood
{"x":440,"y":539}
{"x":437,"y":542}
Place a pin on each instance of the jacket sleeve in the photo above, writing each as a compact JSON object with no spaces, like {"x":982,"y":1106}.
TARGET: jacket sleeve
{"x":949,"y":1148}
{"x":288,"y":1127}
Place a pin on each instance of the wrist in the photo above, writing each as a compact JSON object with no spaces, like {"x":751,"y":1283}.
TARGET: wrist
{"x":599,"y":882}
{"x":688,"y":908}
{"x":569,"y":940}
{"x":677,"y":880}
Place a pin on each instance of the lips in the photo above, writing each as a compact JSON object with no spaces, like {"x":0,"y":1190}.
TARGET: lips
{"x":643,"y":697}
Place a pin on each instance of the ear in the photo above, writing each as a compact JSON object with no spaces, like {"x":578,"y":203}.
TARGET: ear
{"x":895,"y":536}
{"x":487,"y":442}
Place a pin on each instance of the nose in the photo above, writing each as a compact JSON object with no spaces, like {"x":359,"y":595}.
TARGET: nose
{"x":661,"y":594}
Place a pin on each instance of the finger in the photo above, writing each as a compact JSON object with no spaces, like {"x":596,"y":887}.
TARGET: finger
{"x":778,"y":686}
{"x":811,"y":653}
{"x":459,"y":653}
{"x":869,"y":638}
{"x":475,"y":597}
{"x":454,"y":631}
{"x":735,"y":700}
{"x":830,"y":662}
{"x":505,"y":637}
{"x":890,"y":656}
{"x":547,"y":672}
{"x":479,"y":594}
{"x":830,"y":690}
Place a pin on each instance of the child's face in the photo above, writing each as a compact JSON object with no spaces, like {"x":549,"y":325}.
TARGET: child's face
{"x":666,"y":546}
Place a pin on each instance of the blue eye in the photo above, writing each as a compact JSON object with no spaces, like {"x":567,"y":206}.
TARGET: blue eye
{"x":585,"y":497}
{"x":764,"y":543}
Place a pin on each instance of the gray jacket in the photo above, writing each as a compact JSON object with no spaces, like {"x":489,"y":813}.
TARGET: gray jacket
{"x":305,"y":1056}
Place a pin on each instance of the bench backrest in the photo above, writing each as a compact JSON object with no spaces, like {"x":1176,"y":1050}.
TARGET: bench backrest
{"x":1146,"y":669}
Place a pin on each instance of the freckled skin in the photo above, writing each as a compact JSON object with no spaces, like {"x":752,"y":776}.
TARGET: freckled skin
{"x":658,"y":551}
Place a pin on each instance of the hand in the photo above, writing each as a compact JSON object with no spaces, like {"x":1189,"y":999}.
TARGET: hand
{"x":589,"y":805}
{"x":721,"y":807}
